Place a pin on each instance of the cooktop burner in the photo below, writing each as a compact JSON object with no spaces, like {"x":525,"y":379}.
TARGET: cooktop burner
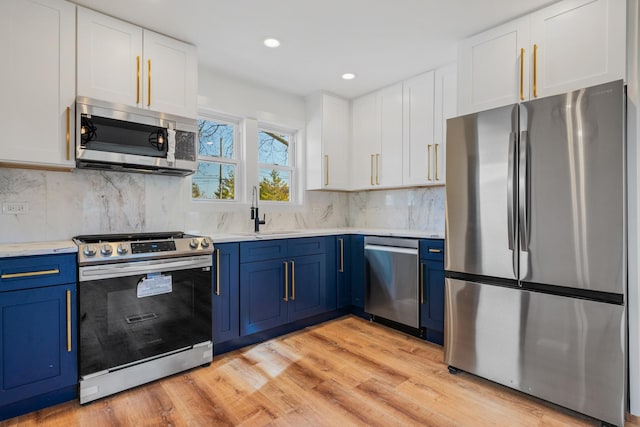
{"x":113,"y":248}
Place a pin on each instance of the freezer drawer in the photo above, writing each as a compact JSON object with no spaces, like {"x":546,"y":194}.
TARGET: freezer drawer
{"x":568,"y":351}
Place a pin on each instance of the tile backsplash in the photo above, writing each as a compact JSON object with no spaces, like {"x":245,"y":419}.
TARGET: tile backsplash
{"x":62,"y":205}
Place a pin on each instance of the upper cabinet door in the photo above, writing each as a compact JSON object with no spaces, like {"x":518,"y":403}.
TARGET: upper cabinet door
{"x":492,"y":68}
{"x":576,"y":44}
{"x":418,"y":137}
{"x":388,"y":160}
{"x":170,"y":75}
{"x":109,"y":59}
{"x":37,"y":82}
{"x":445,"y":108}
{"x":366,"y":141}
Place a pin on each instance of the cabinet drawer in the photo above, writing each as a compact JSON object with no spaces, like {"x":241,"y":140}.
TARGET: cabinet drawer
{"x":307,"y":246}
{"x":432,"y":249}
{"x":37,"y":271}
{"x":263,"y":250}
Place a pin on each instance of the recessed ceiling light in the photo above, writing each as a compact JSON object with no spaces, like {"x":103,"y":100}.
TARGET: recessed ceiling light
{"x":348,"y":76}
{"x":271,"y":42}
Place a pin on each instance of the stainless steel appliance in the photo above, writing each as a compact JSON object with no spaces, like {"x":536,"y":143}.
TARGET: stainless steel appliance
{"x":144,"y":308}
{"x":122,"y":138}
{"x":536,"y":250}
{"x":392,"y":279}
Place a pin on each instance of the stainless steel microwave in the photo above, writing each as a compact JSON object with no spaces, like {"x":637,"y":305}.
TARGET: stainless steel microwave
{"x":129,"y":139}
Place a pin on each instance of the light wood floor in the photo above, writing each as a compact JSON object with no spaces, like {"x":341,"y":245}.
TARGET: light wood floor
{"x":340,"y":373}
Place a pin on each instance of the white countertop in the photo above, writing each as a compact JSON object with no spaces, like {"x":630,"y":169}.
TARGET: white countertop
{"x":37,"y":248}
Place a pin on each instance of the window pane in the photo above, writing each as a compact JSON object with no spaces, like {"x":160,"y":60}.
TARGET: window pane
{"x":213,"y":181}
{"x":274,"y":184}
{"x":215,"y":139}
{"x":273,"y":148}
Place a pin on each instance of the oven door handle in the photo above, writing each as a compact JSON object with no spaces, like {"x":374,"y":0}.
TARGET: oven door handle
{"x":97,"y":272}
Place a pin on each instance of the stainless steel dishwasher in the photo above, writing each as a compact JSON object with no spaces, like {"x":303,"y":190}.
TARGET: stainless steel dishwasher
{"x":392,"y":279}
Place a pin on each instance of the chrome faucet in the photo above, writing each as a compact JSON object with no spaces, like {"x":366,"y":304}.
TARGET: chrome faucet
{"x":255,"y":216}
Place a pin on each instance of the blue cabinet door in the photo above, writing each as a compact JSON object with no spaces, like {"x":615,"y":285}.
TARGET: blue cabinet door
{"x":432,"y":309}
{"x":358,"y":271}
{"x":343,"y":270}
{"x":308,"y":288}
{"x":262,"y":295}
{"x":226,"y":292}
{"x":39,"y":342}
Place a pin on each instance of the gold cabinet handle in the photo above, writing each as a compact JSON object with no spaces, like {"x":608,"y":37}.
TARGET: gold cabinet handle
{"x":422,"y":283}
{"x":435,"y":251}
{"x":286,"y":281}
{"x":341,"y":270}
{"x":149,"y":83}
{"x":293,"y":281}
{"x":326,"y":169}
{"x":428,"y":162}
{"x":371,"y":169}
{"x":29,"y":274}
{"x":68,"y":130}
{"x":217,"y":271}
{"x":377,"y":169}
{"x":522,"y":74}
{"x":68,"y":321}
{"x":138,"y":79}
{"x":535,"y":70}
{"x":435,"y":149}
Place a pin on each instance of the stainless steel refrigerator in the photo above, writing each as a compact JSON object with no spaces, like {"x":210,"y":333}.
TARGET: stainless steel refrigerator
{"x":536,"y":249}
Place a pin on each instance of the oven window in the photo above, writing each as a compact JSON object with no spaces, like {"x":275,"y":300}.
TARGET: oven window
{"x":123,"y":320}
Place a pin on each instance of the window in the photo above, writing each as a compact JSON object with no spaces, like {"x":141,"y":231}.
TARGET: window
{"x":215,"y":178}
{"x":276,"y":158}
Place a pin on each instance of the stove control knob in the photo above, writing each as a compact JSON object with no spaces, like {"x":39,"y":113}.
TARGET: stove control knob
{"x":193,"y":244}
{"x":205,"y":242}
{"x":89,"y":250}
{"x":106,"y":249}
{"x":122,"y":249}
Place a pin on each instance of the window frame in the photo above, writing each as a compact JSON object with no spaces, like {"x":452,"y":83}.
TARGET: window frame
{"x":236,"y":161}
{"x":292,"y":168}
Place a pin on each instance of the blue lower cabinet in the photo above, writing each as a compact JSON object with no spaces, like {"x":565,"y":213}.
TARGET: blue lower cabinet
{"x":358,"y":271}
{"x":226,"y":292}
{"x":308,"y":288}
{"x":432,"y":301}
{"x":343,"y":270}
{"x":38,"y":357}
{"x":264,"y":294}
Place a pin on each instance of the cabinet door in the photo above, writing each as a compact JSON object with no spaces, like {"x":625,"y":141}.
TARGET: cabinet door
{"x":170,"y":71}
{"x":263,"y":291}
{"x":226,"y":301}
{"x":308,"y":287}
{"x":37,"y":82}
{"x":445,"y":108}
{"x":335,"y":143}
{"x":388,"y":162}
{"x":343,"y":270}
{"x":578,"y":43}
{"x":109,"y":59}
{"x":365,"y":141}
{"x":492,"y":70}
{"x":418,"y":138}
{"x":38,"y":342}
{"x":358,"y":271}
{"x":432,"y":299}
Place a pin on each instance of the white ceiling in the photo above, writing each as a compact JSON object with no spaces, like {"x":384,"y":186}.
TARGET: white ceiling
{"x":382,"y":41}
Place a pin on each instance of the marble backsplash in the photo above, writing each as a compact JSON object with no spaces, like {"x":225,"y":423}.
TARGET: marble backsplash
{"x":62,"y":205}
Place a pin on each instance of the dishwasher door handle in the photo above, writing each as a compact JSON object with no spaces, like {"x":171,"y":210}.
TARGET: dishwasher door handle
{"x":395,"y":249}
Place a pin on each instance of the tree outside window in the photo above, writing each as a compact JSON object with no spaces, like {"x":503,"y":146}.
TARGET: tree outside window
{"x":215,"y":177}
{"x":275,"y":168}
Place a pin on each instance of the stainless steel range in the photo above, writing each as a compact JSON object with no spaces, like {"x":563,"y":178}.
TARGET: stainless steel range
{"x":144,"y":308}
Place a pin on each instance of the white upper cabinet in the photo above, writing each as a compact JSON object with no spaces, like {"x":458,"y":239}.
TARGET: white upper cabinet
{"x":122,"y":63}
{"x":492,"y":67}
{"x":389,"y":157}
{"x":327,"y":142}
{"x":418,"y":137}
{"x":567,"y":46}
{"x":576,"y":44}
{"x":365,"y":139}
{"x":445,"y":108}
{"x":37,"y":82}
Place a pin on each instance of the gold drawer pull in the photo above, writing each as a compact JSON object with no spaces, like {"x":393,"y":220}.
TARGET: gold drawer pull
{"x":435,"y":251}
{"x":29,"y":274}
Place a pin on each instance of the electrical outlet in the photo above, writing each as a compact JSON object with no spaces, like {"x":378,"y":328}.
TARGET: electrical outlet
{"x":15,"y":208}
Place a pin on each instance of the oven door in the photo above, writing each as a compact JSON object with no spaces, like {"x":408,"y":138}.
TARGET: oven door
{"x":137,"y":311}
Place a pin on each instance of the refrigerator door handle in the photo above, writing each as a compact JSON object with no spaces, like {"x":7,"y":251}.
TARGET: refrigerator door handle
{"x":511,"y":209}
{"x":523,"y":190}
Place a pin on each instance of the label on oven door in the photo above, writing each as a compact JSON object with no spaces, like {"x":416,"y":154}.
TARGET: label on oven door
{"x":154,"y":284}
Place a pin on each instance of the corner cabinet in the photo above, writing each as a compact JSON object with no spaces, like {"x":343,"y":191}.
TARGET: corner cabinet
{"x":37,"y":82}
{"x":38,"y":362}
{"x":566,"y":46}
{"x":432,"y":289}
{"x":122,"y":63}
{"x":226,"y":292}
{"x":327,"y":142}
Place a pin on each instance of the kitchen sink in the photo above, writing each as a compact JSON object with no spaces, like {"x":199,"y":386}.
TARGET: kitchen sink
{"x":272,"y":233}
